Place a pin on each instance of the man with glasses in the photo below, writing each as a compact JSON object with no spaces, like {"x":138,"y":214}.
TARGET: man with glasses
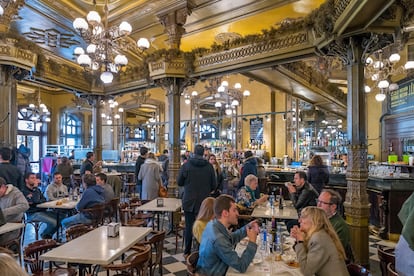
{"x":329,"y":200}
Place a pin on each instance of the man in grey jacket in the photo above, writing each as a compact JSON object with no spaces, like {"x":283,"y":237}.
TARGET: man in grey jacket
{"x":199,"y":180}
{"x":13,"y":205}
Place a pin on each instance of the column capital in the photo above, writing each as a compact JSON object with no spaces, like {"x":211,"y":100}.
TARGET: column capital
{"x":173,"y":20}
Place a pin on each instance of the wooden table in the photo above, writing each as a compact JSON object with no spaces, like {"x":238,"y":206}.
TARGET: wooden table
{"x":96,"y":248}
{"x":10,"y":226}
{"x":67,"y":204}
{"x":170,"y":205}
{"x":264,"y":211}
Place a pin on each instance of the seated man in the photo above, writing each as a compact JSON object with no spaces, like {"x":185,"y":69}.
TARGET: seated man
{"x":56,"y":189}
{"x":108,"y":190}
{"x":34,"y":196}
{"x":329,"y":200}
{"x":217,"y":243}
{"x":246,"y":195}
{"x":302,"y":195}
{"x":92,"y":196}
{"x":13,"y":205}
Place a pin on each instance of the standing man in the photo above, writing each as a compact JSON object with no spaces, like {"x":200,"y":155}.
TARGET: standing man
{"x":108,"y":190}
{"x":217,"y":242}
{"x":302,"y":195}
{"x":56,"y":189}
{"x":143,"y":151}
{"x":165,"y":161}
{"x":34,"y":196}
{"x":87,"y":165}
{"x":249,"y":167}
{"x":329,"y":200}
{"x":199,"y":180}
{"x":8,"y":171}
{"x":13,"y":205}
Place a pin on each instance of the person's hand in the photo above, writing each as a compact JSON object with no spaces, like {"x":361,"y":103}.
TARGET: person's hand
{"x":291,"y":188}
{"x":263,"y":198}
{"x":252,"y":230}
{"x":296,"y":233}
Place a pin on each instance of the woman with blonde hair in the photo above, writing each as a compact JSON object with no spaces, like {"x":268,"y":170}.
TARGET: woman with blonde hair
{"x":318,"y":247}
{"x":9,"y":266}
{"x":205,"y":214}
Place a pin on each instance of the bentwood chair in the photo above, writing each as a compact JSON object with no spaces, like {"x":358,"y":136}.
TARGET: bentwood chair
{"x":111,"y":210}
{"x":76,"y":231}
{"x":15,"y":243}
{"x":35,"y":266}
{"x":156,"y":240}
{"x":391,"y":270}
{"x":126,"y":216}
{"x":95,"y":213}
{"x":135,"y":264}
{"x":385,"y":255}
{"x":191,"y":263}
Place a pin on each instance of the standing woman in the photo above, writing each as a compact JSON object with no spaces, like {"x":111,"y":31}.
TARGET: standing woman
{"x":318,"y":248}
{"x":219,"y":175}
{"x":318,"y":173}
{"x":150,"y":175}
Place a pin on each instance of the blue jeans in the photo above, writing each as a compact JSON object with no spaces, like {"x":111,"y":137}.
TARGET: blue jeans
{"x":47,"y":217}
{"x":75,"y":219}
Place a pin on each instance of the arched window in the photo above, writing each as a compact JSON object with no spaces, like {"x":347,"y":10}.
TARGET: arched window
{"x":71,"y":130}
{"x":208,"y":131}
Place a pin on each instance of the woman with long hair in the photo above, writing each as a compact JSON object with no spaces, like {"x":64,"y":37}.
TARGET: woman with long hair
{"x":318,"y":247}
{"x":205,"y":214}
{"x":219,"y":175}
{"x":318,"y":173}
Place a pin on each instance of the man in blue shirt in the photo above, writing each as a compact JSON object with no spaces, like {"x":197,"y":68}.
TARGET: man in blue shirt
{"x":93,"y":195}
{"x":217,"y":243}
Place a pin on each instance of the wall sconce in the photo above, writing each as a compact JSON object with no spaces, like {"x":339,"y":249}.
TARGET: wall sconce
{"x":284,"y":117}
{"x":267,"y":118}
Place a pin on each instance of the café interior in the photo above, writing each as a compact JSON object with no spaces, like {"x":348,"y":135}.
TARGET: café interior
{"x":285,"y":79}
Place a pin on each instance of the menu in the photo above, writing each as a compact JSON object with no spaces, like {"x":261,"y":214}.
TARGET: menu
{"x":403,"y":98}
{"x":256,"y":129}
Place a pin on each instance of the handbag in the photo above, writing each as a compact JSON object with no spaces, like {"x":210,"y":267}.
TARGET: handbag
{"x":162,"y":191}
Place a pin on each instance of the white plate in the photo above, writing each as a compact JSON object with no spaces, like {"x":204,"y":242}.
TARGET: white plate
{"x":257,"y":261}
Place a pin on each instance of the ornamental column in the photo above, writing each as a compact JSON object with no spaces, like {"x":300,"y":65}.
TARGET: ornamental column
{"x":356,"y":204}
{"x":8,"y":107}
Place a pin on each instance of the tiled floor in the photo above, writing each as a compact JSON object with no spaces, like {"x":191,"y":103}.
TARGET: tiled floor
{"x":174,"y":264}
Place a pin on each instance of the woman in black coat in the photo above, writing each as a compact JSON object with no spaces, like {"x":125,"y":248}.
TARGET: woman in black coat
{"x":318,"y":173}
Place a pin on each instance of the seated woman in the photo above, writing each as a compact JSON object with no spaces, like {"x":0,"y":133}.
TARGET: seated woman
{"x":205,"y":214}
{"x":318,"y":248}
{"x":246,"y":196}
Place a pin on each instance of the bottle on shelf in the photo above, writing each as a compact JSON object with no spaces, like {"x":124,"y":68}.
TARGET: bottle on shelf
{"x":280,"y":198}
{"x":272,"y":200}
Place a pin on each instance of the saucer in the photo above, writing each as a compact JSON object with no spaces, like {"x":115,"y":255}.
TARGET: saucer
{"x":257,"y":261}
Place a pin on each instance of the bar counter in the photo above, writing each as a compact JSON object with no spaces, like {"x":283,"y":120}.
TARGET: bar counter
{"x":119,"y":167}
{"x":386,"y":195}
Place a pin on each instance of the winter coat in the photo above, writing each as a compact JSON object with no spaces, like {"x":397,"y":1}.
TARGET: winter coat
{"x":199,"y":180}
{"x":150,"y":176}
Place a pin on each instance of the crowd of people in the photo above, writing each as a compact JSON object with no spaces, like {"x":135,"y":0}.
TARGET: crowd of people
{"x":212,"y":216}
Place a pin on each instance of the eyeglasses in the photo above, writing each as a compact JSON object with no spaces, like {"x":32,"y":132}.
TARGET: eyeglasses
{"x":323,"y":202}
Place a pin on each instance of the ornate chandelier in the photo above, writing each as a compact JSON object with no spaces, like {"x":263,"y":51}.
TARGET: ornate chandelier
{"x":37,"y":111}
{"x":381,"y":66}
{"x":106,"y":44}
{"x":110,"y":111}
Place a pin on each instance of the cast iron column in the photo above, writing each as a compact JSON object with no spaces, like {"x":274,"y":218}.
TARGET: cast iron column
{"x":356,"y":202}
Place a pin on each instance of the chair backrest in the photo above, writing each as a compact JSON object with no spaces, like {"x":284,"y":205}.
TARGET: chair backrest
{"x":111,"y":209}
{"x":140,"y":260}
{"x":191,"y":262}
{"x":32,"y":253}
{"x":77,"y":230}
{"x":357,"y":270}
{"x":391,"y":270}
{"x":157,"y":243}
{"x":386,"y":255}
{"x":95,"y":213}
